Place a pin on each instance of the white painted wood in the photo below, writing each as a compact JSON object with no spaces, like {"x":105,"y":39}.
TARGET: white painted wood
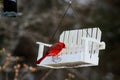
{"x":73,"y":40}
{"x":98,"y":39}
{"x":62,"y":36}
{"x":41,"y":48}
{"x":82,"y":49}
{"x":102,"y":45}
{"x":80,"y":41}
{"x":79,"y":37}
{"x":40,"y":51}
{"x":66,"y":41}
{"x":90,"y":43}
{"x":99,"y":33}
{"x":40,"y":43}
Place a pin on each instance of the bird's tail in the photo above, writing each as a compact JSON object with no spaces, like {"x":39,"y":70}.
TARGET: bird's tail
{"x":39,"y":61}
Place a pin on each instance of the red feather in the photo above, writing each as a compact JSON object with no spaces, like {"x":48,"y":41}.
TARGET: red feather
{"x":38,"y":61}
{"x":52,"y":51}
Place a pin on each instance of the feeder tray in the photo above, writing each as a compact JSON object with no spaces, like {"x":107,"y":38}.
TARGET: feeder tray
{"x":82,"y":49}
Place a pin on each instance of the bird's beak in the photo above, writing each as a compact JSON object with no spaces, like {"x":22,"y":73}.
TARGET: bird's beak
{"x":65,"y":47}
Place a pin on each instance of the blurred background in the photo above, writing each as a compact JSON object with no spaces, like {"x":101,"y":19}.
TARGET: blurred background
{"x":40,"y":19}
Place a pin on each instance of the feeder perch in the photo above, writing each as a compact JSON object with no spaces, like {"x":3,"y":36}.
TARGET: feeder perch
{"x":82,"y":49}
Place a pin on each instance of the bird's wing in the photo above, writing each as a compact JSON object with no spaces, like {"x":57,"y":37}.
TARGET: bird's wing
{"x":54,"y":50}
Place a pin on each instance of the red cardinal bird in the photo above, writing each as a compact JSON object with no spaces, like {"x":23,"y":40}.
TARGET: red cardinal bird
{"x":52,"y":51}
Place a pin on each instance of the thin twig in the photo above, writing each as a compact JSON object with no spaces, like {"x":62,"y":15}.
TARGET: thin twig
{"x":46,"y":75}
{"x":77,"y":73}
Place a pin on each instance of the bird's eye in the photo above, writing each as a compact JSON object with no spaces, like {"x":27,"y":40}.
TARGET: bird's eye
{"x":63,"y":45}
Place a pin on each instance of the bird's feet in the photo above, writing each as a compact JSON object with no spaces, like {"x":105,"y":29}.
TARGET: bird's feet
{"x":56,"y":59}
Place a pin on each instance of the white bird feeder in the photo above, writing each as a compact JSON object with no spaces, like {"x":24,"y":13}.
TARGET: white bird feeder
{"x":82,"y":49}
